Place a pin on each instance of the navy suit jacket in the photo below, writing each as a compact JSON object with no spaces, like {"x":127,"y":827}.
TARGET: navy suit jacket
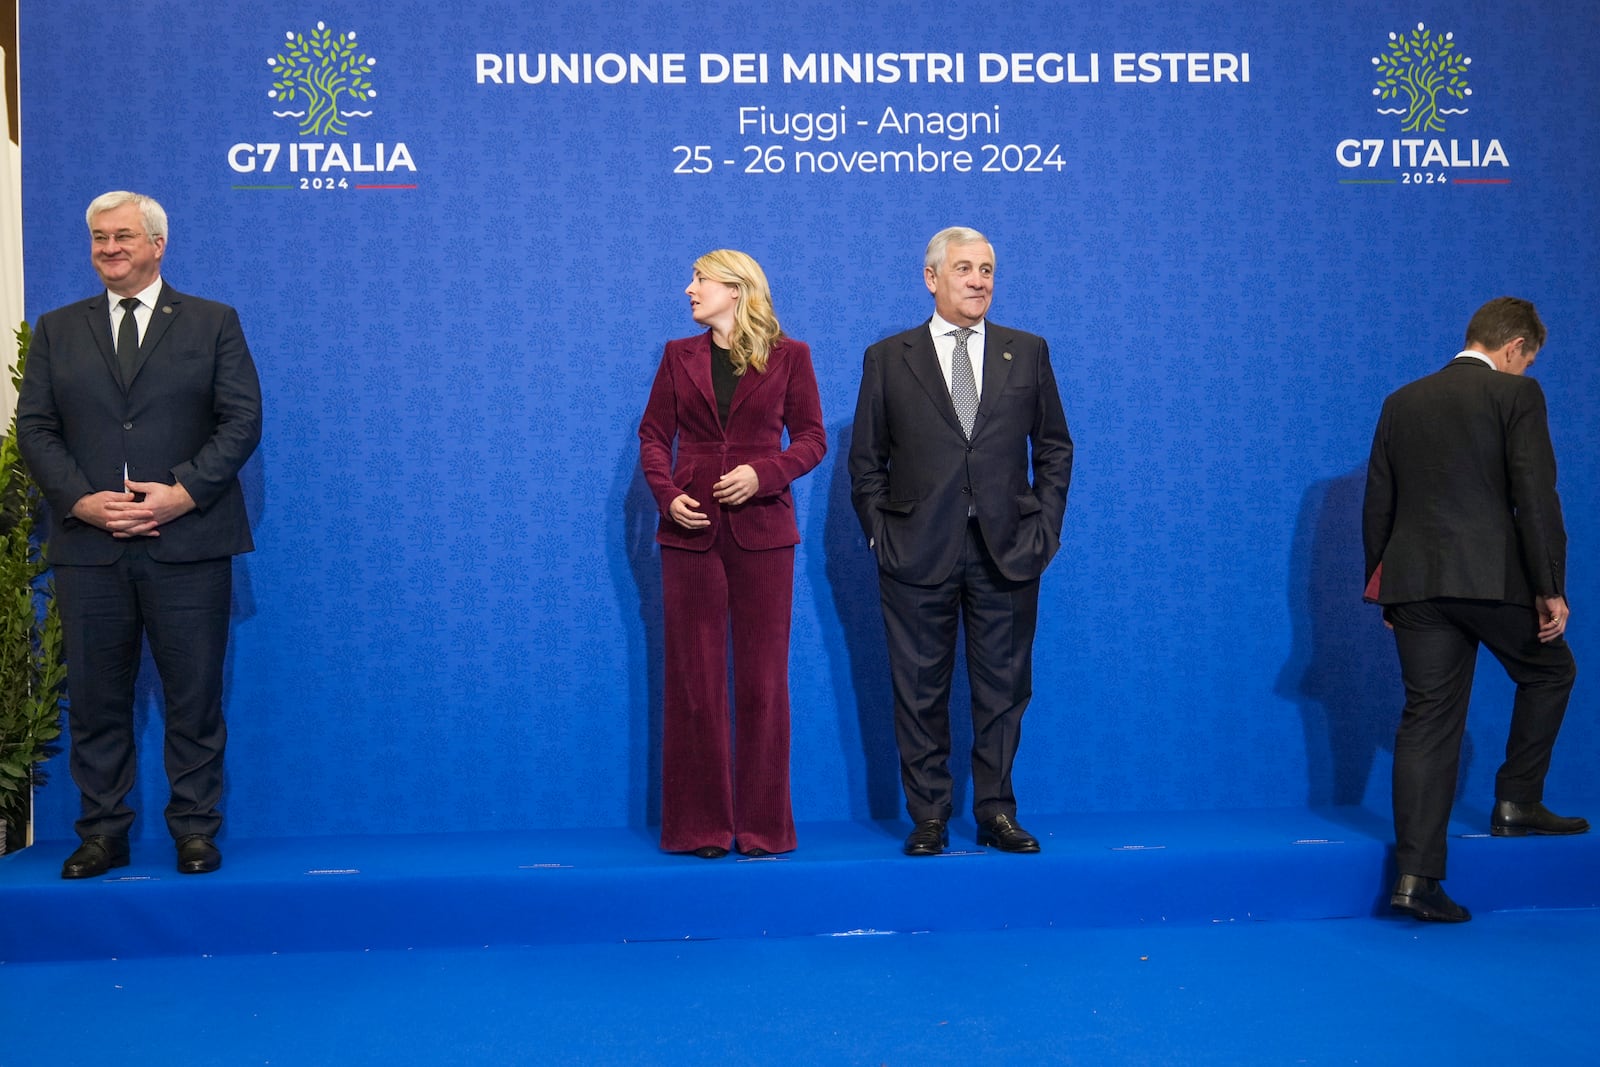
{"x":1461,"y":490}
{"x":191,"y":414}
{"x":913,"y":473}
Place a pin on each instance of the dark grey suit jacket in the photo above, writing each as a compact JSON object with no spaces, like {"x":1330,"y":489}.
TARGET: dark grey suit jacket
{"x":913,"y":474}
{"x":1461,"y":490}
{"x":191,"y":414}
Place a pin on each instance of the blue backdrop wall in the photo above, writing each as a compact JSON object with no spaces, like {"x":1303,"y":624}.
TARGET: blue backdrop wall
{"x":457,"y":289}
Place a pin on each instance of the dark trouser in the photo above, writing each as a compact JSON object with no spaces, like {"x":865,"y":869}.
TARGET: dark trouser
{"x":1438,"y":645}
{"x":714,"y":792}
{"x":999,"y":616}
{"x":182,"y":608}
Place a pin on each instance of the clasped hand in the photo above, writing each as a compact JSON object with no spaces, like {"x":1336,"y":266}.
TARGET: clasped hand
{"x":124,"y":517}
{"x":731,"y":490}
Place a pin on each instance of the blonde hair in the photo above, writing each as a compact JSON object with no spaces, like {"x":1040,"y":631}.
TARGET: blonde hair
{"x":755,"y":324}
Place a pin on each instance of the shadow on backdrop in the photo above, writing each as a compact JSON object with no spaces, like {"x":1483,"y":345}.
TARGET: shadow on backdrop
{"x":859,"y":660}
{"x":1341,"y":672}
{"x":637,"y":578}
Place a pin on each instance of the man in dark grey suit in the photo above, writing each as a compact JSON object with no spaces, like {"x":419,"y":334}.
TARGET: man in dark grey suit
{"x":138,"y":407}
{"x":1463,"y":519}
{"x":959,"y":467}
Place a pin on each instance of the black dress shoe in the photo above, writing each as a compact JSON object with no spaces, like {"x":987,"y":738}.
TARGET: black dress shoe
{"x":710,"y":852}
{"x":1511,"y":819}
{"x":97,"y":855}
{"x":754,"y":853}
{"x":1426,"y":899}
{"x":1004,"y":834}
{"x":928,"y":838}
{"x":197,"y":854}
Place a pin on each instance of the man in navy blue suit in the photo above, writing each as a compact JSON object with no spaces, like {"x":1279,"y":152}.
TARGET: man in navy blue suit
{"x":959,"y":465}
{"x":1461,"y":514}
{"x":138,"y":407}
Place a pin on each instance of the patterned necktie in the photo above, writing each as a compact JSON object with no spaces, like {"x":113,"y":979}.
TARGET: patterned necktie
{"x":963,"y":386}
{"x":128,"y":339}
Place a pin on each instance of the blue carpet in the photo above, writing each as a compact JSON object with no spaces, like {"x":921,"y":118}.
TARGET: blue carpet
{"x":542,"y":888}
{"x":1509,"y":987}
{"x":1197,"y":938}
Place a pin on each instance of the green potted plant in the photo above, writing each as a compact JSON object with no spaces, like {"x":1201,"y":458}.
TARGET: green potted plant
{"x":32,"y":675}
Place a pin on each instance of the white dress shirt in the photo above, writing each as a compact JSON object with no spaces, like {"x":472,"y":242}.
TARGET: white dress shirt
{"x":147,"y":298}
{"x":944,"y":344}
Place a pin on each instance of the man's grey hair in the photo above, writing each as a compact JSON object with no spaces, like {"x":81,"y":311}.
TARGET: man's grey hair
{"x":952,"y":235}
{"x":155,"y":219}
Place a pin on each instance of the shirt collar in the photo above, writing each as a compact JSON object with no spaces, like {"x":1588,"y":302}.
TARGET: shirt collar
{"x":146,"y":296}
{"x":1477,"y":355}
{"x":940,"y":328}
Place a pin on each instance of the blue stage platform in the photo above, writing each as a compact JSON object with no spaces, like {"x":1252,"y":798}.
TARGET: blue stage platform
{"x":612,"y":886}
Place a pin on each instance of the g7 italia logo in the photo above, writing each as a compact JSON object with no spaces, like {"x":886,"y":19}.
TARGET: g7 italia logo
{"x":322,"y":81}
{"x":320,"y":71}
{"x":1419,"y":78}
{"x":1417,"y":68}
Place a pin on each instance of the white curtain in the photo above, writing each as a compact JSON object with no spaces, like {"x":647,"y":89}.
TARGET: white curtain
{"x":11,"y":306}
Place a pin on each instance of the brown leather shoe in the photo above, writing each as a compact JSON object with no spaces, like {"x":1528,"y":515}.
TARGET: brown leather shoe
{"x":97,"y":855}
{"x":198,"y":854}
{"x":1004,"y":834}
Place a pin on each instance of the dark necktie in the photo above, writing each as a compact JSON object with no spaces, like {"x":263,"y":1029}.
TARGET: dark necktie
{"x":963,"y":386}
{"x":128,"y":339}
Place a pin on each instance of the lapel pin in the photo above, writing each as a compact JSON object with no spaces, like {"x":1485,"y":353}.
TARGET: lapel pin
{"x":166,"y":309}
{"x":1006,"y":355}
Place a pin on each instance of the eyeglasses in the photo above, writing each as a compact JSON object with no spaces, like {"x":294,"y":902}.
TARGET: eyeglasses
{"x":121,"y":237}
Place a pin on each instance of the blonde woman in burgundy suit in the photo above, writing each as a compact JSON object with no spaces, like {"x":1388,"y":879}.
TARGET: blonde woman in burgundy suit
{"x":727,"y":537}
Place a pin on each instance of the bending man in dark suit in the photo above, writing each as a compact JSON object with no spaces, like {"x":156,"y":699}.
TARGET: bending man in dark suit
{"x":1462,"y":516}
{"x":137,"y":443}
{"x":952,"y":419}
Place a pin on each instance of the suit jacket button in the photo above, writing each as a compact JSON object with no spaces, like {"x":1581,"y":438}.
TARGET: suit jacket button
{"x":127,"y":426}
{"x":966,"y":489}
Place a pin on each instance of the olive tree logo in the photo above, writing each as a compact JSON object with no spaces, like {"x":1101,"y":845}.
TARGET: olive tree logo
{"x":321,"y":69}
{"x":1421,"y":66}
